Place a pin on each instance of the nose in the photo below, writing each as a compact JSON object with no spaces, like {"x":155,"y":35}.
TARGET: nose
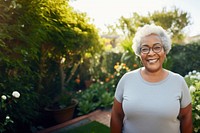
{"x":151,"y":52}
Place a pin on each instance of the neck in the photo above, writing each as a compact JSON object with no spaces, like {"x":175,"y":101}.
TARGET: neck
{"x":153,"y":73}
{"x":153,"y":76}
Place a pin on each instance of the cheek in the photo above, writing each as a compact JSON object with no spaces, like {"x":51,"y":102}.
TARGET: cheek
{"x":142,"y":57}
{"x":162,"y":57}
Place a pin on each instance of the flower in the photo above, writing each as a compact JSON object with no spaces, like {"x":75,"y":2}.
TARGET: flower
{"x":194,"y":71}
{"x":78,"y":81}
{"x":190,"y":73}
{"x":107,"y":79}
{"x":197,"y":117}
{"x":112,"y":76}
{"x":192,"y":89}
{"x":135,"y":65}
{"x":7,"y":117}
{"x":193,"y":81}
{"x":198,"y":107}
{"x":16,"y":94}
{"x":101,"y":83}
{"x":3,"y":97}
{"x":198,"y":76}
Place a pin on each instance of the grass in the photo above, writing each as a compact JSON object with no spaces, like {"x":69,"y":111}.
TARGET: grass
{"x":92,"y":127}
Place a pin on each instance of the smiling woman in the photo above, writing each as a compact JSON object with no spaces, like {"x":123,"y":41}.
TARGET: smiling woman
{"x":151,"y":99}
{"x":152,"y":59}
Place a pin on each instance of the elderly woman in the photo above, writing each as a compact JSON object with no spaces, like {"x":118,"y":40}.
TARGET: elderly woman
{"x":151,"y":99}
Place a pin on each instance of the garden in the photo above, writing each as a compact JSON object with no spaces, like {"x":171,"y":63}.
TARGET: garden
{"x":52,"y":58}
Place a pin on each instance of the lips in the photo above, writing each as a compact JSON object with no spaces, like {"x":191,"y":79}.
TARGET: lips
{"x":151,"y":61}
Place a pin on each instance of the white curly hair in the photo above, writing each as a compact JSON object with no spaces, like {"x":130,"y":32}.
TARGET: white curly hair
{"x":147,"y":30}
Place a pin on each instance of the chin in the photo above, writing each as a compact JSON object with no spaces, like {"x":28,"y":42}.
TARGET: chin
{"x":153,"y":68}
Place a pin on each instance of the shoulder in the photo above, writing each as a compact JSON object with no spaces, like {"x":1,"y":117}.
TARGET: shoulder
{"x":129,"y":76}
{"x":178,"y":80}
{"x":132,"y":73}
{"x":176,"y":76}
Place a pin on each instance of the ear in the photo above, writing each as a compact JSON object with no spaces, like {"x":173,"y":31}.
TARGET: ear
{"x":165,"y":58}
{"x":140,"y":60}
{"x":165,"y":55}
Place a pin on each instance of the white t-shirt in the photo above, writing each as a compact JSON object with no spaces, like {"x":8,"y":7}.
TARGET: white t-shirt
{"x":152,"y":107}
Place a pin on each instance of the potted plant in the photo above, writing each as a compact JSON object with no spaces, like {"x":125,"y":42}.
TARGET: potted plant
{"x":63,"y":107}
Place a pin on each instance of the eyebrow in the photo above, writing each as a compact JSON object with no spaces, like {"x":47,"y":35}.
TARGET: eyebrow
{"x":153,"y":44}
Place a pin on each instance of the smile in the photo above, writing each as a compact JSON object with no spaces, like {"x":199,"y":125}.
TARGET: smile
{"x":151,"y":61}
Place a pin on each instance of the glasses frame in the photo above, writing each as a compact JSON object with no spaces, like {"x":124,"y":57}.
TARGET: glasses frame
{"x":151,"y":48}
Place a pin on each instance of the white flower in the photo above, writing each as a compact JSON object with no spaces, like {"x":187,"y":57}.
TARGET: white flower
{"x":16,"y":94}
{"x":197,"y":98}
{"x":63,"y":60}
{"x":7,"y":117}
{"x":186,"y":76}
{"x":198,"y":77}
{"x":197,"y":117}
{"x":198,"y":73}
{"x":194,"y":71}
{"x":192,"y":89}
{"x":198,"y":107}
{"x":192,"y":77}
{"x":3,"y":97}
{"x":190,"y":73}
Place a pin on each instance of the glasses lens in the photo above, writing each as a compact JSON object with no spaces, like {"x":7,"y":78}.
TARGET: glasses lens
{"x":145,"y":50}
{"x":157,"y":48}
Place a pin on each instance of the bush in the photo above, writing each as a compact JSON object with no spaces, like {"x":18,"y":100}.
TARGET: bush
{"x":6,"y":105}
{"x":101,"y":93}
{"x":193,"y":81}
{"x":184,"y":58}
{"x":94,"y":97}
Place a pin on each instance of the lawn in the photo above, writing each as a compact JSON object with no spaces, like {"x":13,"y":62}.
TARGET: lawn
{"x":92,"y":127}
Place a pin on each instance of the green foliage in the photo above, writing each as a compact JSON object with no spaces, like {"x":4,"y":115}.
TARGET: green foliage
{"x":106,"y":100}
{"x":129,"y":25}
{"x":65,"y":99}
{"x":35,"y":36}
{"x":97,"y":66}
{"x":184,"y":58}
{"x":174,"y":21}
{"x":193,"y":81}
{"x":89,"y":99}
{"x":94,"y":97}
{"x":128,"y":57}
{"x":15,"y":75}
{"x":101,"y":93}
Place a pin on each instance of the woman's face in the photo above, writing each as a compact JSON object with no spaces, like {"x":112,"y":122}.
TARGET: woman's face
{"x":152,"y":53}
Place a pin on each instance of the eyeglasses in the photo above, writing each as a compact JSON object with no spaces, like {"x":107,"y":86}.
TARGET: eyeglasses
{"x":155,"y":49}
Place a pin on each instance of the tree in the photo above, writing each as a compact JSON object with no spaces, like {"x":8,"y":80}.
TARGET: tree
{"x":174,"y":21}
{"x":35,"y":36}
{"x":129,"y":25}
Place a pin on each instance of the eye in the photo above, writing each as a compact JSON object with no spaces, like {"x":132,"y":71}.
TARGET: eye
{"x":144,"y":49}
{"x":157,"y":48}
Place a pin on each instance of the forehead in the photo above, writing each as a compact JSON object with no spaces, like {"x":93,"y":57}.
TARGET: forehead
{"x":150,"y":40}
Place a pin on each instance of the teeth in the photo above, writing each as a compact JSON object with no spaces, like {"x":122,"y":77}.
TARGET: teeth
{"x":152,"y":61}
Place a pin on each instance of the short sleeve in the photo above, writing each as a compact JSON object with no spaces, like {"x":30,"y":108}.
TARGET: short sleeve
{"x":120,"y":89}
{"x":185,"y":95}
